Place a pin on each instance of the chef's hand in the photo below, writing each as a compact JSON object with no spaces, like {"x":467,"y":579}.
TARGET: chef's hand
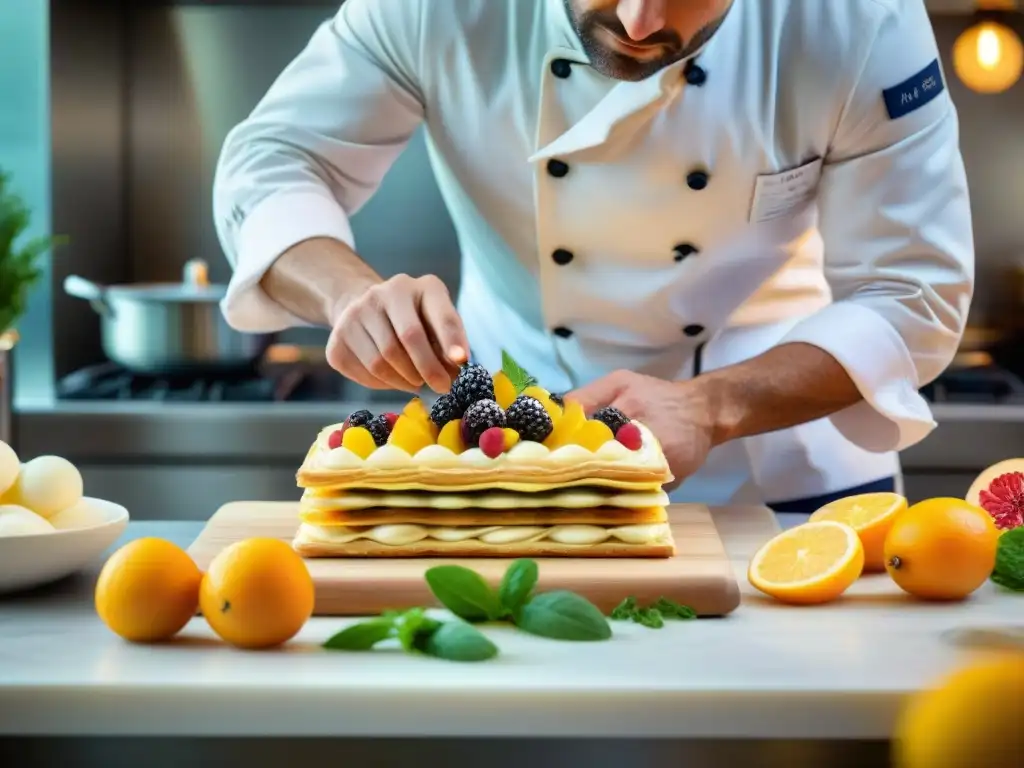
{"x":677,"y":415}
{"x":400,"y":333}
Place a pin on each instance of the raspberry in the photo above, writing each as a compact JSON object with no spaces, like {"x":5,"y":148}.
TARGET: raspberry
{"x":492,"y":442}
{"x":391,"y":418}
{"x":529,"y":418}
{"x":444,"y":410}
{"x":480,"y":417}
{"x":358,"y":419}
{"x":629,"y":435}
{"x":334,"y":441}
{"x":612,"y":418}
{"x":380,"y":428}
{"x":472,"y":384}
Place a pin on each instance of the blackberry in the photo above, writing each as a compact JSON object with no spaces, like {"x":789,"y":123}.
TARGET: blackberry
{"x":558,"y":400}
{"x":612,"y":417}
{"x":380,"y":429}
{"x":444,"y":410}
{"x":472,"y":384}
{"x":359,"y":419}
{"x":479,"y":417}
{"x":529,"y":418}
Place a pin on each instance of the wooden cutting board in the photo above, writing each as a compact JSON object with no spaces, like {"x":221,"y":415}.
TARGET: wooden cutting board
{"x":700,"y":575}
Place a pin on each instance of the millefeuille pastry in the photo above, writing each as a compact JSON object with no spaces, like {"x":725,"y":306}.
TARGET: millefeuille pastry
{"x":498,"y":467}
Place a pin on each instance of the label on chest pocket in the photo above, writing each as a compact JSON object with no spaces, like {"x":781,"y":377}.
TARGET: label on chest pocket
{"x":777,"y":195}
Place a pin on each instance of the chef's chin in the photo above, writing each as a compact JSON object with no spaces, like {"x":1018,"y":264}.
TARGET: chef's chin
{"x":621,"y":66}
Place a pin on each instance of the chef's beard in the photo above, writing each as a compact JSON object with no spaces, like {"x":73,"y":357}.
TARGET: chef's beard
{"x":621,"y":66}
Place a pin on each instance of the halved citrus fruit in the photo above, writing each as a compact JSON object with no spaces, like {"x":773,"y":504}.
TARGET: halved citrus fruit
{"x":871,"y":515}
{"x":813,"y":563}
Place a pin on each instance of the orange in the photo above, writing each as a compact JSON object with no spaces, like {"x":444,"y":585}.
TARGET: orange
{"x":257,"y":593}
{"x":812,"y":563}
{"x":967,"y":720}
{"x":941,"y":549}
{"x":871,"y":516}
{"x":148,"y":590}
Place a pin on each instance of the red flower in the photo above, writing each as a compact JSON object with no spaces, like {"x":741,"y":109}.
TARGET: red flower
{"x":1004,"y":500}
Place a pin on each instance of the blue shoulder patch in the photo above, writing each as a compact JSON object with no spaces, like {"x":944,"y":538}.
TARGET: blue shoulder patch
{"x":914,"y":92}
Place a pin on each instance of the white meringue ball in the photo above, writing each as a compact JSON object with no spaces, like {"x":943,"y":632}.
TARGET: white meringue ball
{"x":79,"y":515}
{"x":18,"y":521}
{"x":10,"y":467}
{"x":46,"y":485}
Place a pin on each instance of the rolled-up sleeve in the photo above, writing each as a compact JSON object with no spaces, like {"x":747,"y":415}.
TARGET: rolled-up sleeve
{"x":316,"y":147}
{"x":896,"y":224}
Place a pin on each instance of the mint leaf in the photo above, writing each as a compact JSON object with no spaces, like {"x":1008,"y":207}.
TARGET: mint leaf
{"x":670,"y":609}
{"x":1009,"y":570}
{"x":413,"y":625}
{"x":518,"y":375}
{"x":563,"y":615}
{"x":361,"y":637}
{"x":625,"y":610}
{"x":455,"y":641}
{"x":517,"y":584}
{"x":464,"y":593}
{"x":650,"y":618}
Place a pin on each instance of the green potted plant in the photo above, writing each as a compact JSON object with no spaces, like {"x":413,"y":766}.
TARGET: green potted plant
{"x":20,"y":270}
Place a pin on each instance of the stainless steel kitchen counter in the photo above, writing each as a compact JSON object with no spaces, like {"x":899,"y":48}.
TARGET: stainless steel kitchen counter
{"x":969,"y":437}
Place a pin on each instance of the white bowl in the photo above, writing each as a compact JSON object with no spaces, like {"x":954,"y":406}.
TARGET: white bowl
{"x":38,"y":559}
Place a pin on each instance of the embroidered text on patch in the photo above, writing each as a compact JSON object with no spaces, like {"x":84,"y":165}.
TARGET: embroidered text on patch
{"x":914,"y":92}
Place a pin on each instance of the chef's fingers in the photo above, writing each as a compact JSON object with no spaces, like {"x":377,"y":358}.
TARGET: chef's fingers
{"x":415,"y":338}
{"x":344,"y":361}
{"x":365,"y":350}
{"x":378,"y":326}
{"x":443,"y":320}
{"x":598,"y":394}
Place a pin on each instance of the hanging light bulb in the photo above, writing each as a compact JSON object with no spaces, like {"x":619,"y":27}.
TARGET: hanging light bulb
{"x":989,"y":56}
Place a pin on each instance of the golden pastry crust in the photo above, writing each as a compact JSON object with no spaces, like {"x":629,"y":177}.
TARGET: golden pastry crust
{"x":430,"y":548}
{"x":476,"y":517}
{"x":520,"y":477}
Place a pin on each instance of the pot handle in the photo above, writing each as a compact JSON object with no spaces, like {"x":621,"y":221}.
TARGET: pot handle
{"x":92,"y":292}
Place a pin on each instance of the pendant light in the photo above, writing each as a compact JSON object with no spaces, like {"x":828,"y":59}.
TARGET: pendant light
{"x":989,"y":56}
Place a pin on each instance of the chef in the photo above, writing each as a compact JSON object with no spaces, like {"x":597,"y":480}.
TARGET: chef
{"x":744,"y":222}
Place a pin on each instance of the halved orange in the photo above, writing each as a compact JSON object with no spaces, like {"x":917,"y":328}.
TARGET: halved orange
{"x":809,"y":564}
{"x":871,"y":515}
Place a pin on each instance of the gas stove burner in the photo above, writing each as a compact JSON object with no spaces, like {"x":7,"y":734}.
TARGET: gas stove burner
{"x":109,"y":381}
{"x":982,"y":385}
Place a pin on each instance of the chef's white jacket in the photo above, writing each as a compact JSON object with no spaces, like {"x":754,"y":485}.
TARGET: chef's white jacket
{"x":798,"y":180}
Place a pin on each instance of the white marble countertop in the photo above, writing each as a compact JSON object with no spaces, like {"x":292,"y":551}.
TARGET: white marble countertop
{"x":767,"y":671}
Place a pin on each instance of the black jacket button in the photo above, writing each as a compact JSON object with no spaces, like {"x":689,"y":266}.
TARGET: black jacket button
{"x":557,"y":168}
{"x":561,"y":257}
{"x":693,"y":330}
{"x":697,"y":180}
{"x":561,"y":68}
{"x":695,"y":74}
{"x":562,"y":332}
{"x":685,"y":249}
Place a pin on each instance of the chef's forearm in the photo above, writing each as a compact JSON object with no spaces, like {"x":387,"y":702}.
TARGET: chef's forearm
{"x":316,"y":277}
{"x":789,"y":385}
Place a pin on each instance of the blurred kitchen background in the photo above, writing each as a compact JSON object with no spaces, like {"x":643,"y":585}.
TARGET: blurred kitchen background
{"x":111,"y":119}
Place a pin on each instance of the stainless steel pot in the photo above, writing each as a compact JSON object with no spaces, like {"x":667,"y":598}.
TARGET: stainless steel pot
{"x":169,"y":328}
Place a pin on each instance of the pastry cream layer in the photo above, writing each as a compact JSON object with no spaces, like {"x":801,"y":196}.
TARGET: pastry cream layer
{"x":581,"y":498}
{"x":525,"y":453}
{"x":603,"y":516}
{"x":400,"y":535}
